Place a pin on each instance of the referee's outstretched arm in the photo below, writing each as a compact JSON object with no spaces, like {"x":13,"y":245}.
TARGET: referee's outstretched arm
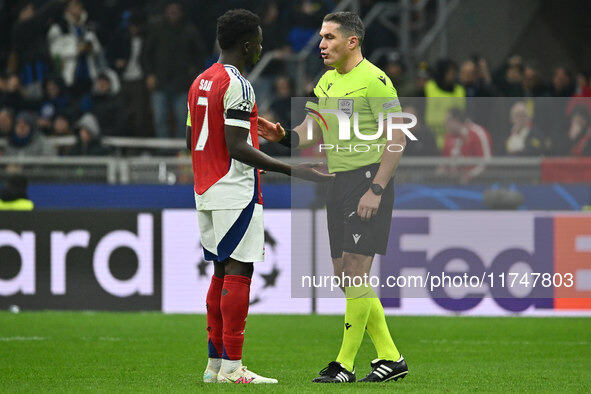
{"x":302,"y":131}
{"x":239,"y":149}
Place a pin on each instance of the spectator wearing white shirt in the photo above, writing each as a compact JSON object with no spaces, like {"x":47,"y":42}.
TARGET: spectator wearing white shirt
{"x":523,"y":140}
{"x":75,"y":48}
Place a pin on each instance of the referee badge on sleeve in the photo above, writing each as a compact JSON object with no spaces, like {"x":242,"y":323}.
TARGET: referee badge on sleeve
{"x":346,"y":106}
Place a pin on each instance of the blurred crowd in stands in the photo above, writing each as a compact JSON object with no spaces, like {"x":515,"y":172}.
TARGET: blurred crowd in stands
{"x":123,"y":67}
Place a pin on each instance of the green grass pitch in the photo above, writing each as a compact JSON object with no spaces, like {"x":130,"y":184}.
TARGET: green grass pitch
{"x":153,"y":352}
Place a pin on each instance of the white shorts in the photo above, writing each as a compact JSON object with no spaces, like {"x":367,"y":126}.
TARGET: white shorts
{"x":235,"y":233}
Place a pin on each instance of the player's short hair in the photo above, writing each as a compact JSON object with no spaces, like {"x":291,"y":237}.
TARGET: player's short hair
{"x":234,"y":25}
{"x":350,"y":24}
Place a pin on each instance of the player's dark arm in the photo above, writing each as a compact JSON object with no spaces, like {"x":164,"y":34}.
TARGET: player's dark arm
{"x":188,"y":137}
{"x":276,"y":133}
{"x":241,"y":150}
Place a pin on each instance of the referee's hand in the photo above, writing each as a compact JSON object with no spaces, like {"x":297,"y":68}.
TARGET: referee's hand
{"x":309,"y":172}
{"x":368,"y":206}
{"x":269,"y":131}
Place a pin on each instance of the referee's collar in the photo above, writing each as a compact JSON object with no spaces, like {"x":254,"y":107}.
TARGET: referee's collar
{"x":353,"y":69}
{"x":361,"y":61}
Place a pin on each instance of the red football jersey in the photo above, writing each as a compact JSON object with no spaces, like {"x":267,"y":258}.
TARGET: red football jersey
{"x":222,"y":96}
{"x":475,"y":142}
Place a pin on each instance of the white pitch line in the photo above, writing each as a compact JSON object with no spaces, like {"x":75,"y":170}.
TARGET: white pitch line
{"x":16,"y":339}
{"x":476,"y":342}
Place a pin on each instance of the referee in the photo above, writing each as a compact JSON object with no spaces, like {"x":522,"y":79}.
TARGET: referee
{"x":361,"y":196}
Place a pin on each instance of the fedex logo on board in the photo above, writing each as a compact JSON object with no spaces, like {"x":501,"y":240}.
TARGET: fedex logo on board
{"x":572,"y":253}
{"x":496,"y":244}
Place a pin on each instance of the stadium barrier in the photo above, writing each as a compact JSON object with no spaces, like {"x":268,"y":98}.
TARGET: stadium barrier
{"x":178,"y":170}
{"x":552,"y":197}
{"x":152,"y":260}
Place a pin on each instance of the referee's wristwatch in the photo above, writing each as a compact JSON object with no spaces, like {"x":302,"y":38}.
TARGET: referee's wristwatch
{"x":378,"y":190}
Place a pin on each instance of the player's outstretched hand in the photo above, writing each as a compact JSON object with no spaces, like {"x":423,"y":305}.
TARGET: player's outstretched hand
{"x":269,"y":131}
{"x":309,"y":172}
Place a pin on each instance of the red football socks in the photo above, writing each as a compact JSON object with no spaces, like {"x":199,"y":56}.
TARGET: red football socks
{"x":234,"y":310}
{"x":214,"y":317}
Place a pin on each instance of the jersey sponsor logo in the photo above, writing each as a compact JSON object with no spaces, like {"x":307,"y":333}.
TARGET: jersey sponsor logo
{"x":205,"y":85}
{"x":346,"y":106}
{"x":356,"y":238}
{"x":383,"y":80}
{"x":347,"y":326}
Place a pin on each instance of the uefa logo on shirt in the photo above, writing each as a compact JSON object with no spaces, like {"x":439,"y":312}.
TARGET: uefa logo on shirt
{"x":349,"y":120}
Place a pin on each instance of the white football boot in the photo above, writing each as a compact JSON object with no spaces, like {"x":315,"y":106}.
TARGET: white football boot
{"x":243,"y":376}
{"x":211,"y":371}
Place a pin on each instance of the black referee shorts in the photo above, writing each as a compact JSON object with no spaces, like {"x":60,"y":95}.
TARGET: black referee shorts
{"x":347,"y":233}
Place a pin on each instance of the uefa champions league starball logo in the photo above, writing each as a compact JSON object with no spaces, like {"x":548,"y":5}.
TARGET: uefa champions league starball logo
{"x":268,"y":271}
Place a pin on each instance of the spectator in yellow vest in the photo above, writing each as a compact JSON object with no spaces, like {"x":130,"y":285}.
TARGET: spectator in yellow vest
{"x":13,"y":196}
{"x":443,"y":93}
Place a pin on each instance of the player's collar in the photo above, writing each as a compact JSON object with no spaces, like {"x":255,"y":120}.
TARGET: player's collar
{"x":230,"y":66}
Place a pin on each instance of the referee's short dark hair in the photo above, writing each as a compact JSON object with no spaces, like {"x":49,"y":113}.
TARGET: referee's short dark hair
{"x":235,"y":25}
{"x":350,"y":24}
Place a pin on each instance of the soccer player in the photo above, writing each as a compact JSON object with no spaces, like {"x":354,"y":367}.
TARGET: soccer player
{"x":222,"y":136}
{"x":361,"y":196}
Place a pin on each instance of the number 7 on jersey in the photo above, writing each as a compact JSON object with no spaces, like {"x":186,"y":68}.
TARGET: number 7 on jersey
{"x":204,"y":133}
